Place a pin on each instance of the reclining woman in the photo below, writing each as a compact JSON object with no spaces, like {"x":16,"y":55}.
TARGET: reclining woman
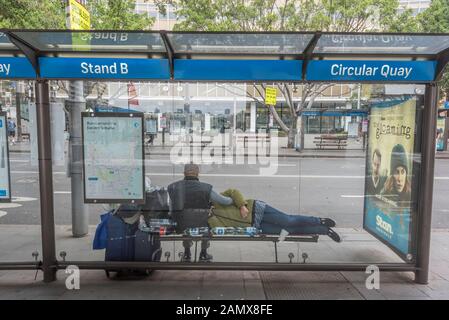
{"x":239,"y":212}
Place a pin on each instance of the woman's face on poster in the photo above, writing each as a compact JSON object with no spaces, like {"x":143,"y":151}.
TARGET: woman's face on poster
{"x":400,"y":176}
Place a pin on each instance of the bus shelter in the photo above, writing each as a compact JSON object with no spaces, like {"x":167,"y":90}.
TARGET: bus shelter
{"x":401,"y":128}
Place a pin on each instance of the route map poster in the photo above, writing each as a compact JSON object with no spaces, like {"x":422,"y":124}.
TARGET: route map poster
{"x":389,"y":201}
{"x":113,"y":157}
{"x":5,"y":182}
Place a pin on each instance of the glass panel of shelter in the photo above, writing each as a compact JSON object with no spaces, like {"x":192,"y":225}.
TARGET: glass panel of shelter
{"x":320,"y":183}
{"x":381,"y":43}
{"x":23,"y":210}
{"x":64,"y":41}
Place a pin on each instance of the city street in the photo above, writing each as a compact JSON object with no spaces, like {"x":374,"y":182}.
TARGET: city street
{"x":316,"y":186}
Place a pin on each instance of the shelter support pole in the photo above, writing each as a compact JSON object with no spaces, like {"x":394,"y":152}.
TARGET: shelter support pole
{"x":80,"y":213}
{"x":426,"y":190}
{"x":45,"y":180}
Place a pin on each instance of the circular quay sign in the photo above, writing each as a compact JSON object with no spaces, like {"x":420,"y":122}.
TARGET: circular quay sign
{"x":343,"y":70}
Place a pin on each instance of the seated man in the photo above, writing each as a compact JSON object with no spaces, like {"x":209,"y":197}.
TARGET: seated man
{"x":190,"y":203}
{"x":258,"y":214}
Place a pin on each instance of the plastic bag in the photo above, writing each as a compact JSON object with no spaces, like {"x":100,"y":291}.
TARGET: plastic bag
{"x":101,"y":234}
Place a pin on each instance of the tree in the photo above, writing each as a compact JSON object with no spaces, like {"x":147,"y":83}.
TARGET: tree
{"x":118,"y":15}
{"x":43,"y":14}
{"x":436,"y":19}
{"x":50,"y":14}
{"x":288,"y":15}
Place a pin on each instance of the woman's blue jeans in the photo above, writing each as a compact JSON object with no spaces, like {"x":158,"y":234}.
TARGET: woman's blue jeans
{"x":274,"y":221}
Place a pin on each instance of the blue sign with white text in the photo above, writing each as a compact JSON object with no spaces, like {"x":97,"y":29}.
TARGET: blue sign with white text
{"x":238,"y":70}
{"x":16,"y":68}
{"x":349,"y":70}
{"x":103,"y":68}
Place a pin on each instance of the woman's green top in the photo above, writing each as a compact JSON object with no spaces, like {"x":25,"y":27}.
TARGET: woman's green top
{"x":229,"y":216}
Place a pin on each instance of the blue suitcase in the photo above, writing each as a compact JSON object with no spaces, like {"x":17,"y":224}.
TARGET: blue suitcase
{"x":121,"y":247}
{"x":147,"y":247}
{"x":120,"y":240}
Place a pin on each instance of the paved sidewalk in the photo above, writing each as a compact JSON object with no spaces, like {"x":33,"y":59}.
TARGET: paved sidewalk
{"x":283,"y":152}
{"x":17,"y":243}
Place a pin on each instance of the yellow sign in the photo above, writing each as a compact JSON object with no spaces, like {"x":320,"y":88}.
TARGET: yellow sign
{"x":270,"y":96}
{"x":79,"y":17}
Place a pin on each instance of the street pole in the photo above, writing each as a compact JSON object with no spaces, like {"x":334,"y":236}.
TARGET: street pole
{"x":445,"y":132}
{"x":80,"y":213}
{"x":19,"y":92}
{"x":359,"y":89}
{"x":45,"y":180}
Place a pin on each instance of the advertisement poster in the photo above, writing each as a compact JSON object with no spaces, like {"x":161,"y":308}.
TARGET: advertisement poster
{"x":5,"y":185}
{"x":389,"y":174}
{"x":113,"y":158}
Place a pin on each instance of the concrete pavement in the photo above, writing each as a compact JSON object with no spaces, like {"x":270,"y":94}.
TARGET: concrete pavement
{"x":18,"y":242}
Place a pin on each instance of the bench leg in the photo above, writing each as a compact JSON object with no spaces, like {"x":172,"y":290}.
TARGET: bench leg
{"x":276,"y":251}
{"x":196,"y":249}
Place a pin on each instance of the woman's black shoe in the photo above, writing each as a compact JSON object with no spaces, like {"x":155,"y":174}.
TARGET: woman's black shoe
{"x":327,"y":222}
{"x":333,"y":235}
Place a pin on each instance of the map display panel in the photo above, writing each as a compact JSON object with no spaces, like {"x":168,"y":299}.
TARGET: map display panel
{"x":113,"y":158}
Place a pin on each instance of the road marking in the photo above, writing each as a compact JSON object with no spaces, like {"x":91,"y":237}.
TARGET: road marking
{"x":9,"y":205}
{"x":14,"y":204}
{"x":23,"y":199}
{"x":14,"y":160}
{"x":62,"y":192}
{"x":352,"y":196}
{"x":36,"y":172}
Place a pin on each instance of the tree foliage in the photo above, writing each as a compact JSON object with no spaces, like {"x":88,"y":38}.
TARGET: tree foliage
{"x":50,"y":14}
{"x":436,"y":19}
{"x":118,"y":15}
{"x":287,"y":15}
{"x":43,"y":14}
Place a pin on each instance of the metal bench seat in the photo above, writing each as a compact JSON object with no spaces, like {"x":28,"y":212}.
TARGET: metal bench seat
{"x":260,"y":237}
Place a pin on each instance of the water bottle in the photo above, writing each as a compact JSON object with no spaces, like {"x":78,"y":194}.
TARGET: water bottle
{"x":162,"y":231}
{"x":162,"y":222}
{"x":251,"y":231}
{"x":219,"y":231}
{"x":196,"y":231}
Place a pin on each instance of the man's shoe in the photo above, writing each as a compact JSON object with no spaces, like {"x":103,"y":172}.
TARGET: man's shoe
{"x":205,"y":257}
{"x":327,"y":222}
{"x":187,"y":258}
{"x":333,"y":235}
